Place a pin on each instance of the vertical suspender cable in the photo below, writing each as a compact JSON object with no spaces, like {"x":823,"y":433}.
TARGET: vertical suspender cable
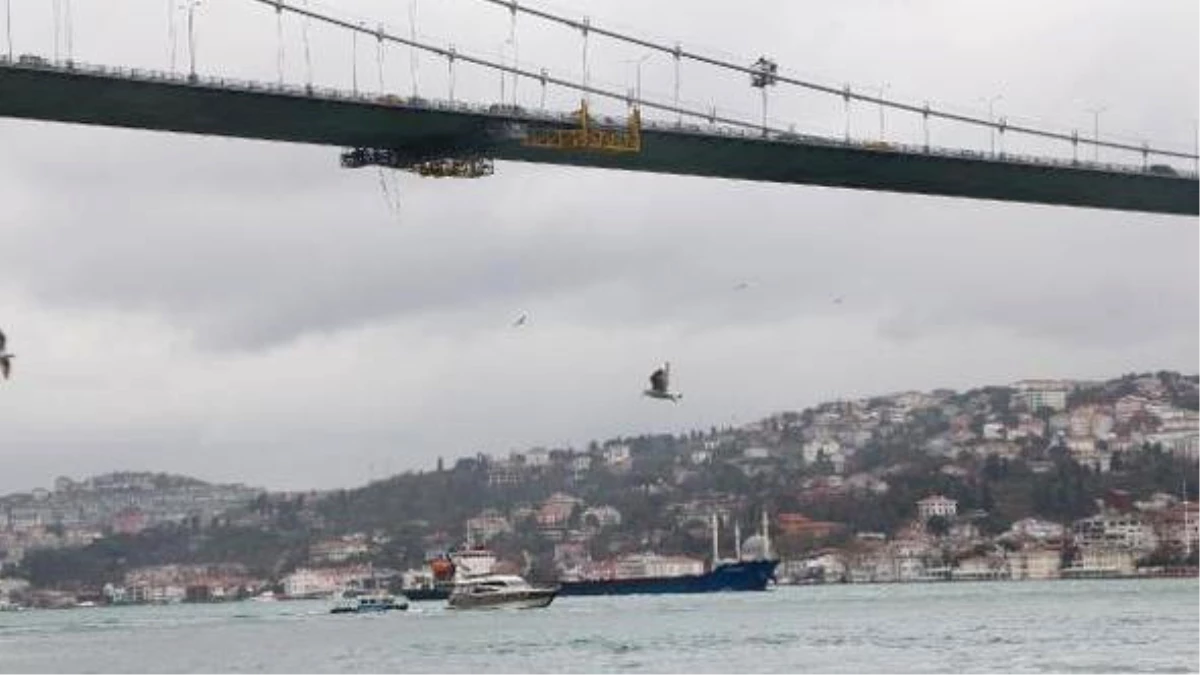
{"x":172,"y":33}
{"x":512,"y":37}
{"x":70,"y":34}
{"x":379,"y":54}
{"x":678,"y":53}
{"x":846,"y":100}
{"x":307,"y":54}
{"x":354,"y":61}
{"x":58,"y":24}
{"x":925,"y":124}
{"x":279,"y":46}
{"x":543,"y":79}
{"x":414,"y":64}
{"x":764,"y":107}
{"x":192,"y":4}
{"x":586,"y":23}
{"x":8,"y":26}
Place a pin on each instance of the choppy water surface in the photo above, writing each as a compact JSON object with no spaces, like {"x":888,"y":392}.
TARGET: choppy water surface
{"x":1065,"y":626}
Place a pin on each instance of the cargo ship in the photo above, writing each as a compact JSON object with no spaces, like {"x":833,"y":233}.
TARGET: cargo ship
{"x":740,"y":574}
{"x":645,"y":574}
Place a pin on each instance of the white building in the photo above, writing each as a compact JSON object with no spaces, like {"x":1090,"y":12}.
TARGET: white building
{"x":1128,"y":406}
{"x":1035,"y":563}
{"x":537,"y":458}
{"x":865,"y":482}
{"x":1102,"y":561}
{"x":911,"y":400}
{"x":1111,"y":530}
{"x":814,"y":449}
{"x":756,"y":453}
{"x":937,"y":505}
{"x":308,"y":583}
{"x":604,"y":516}
{"x":505,"y":472}
{"x":1180,"y":443}
{"x":339,"y":550}
{"x":617,"y":455}
{"x":1040,"y":530}
{"x":486,"y":526}
{"x":993,"y":431}
{"x":1036,"y":394}
{"x":980,"y":568}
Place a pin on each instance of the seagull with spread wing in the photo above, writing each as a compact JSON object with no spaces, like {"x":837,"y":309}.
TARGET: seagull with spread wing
{"x":660,"y":381}
{"x":5,"y":357}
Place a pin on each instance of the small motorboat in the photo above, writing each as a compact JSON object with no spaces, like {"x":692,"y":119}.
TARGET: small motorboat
{"x":353,"y":603}
{"x":493,"y":591}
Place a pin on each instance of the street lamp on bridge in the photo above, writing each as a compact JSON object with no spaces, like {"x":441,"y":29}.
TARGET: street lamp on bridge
{"x":354,"y":56}
{"x":991,"y":123}
{"x":191,"y":6}
{"x":882,"y":92}
{"x":1096,"y":130}
{"x":638,"y":66}
{"x":8,"y":27}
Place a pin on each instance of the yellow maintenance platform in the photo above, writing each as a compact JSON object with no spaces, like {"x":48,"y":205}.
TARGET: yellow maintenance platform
{"x":586,"y":137}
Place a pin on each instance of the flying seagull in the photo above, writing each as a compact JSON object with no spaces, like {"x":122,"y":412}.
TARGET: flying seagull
{"x":5,"y":357}
{"x":660,"y":384}
{"x":521,"y":320}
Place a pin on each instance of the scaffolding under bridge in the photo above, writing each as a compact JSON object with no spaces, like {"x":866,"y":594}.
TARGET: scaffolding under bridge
{"x":444,"y":167}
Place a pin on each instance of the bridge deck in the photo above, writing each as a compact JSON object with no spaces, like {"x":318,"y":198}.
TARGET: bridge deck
{"x":429,"y":129}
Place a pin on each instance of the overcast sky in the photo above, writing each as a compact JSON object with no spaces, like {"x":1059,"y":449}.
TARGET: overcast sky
{"x":248,"y":311}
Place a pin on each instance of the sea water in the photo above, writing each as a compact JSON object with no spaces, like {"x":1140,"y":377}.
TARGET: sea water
{"x":1051,"y":626}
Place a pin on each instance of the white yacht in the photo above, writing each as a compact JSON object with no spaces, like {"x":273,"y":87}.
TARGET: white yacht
{"x":491,"y":591}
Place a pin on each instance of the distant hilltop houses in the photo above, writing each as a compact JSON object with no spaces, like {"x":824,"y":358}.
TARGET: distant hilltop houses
{"x":1122,"y":539}
{"x":76,"y":513}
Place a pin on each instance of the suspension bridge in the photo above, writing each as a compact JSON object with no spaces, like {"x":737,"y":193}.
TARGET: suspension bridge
{"x":451,"y":137}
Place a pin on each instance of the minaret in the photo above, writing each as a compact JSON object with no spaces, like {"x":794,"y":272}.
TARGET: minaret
{"x":766,"y":535}
{"x":715,"y":554}
{"x":1187,"y":526}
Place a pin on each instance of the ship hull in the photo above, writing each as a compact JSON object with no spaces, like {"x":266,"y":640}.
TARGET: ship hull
{"x":752,"y":575}
{"x":531,"y":599}
{"x":425,"y":594}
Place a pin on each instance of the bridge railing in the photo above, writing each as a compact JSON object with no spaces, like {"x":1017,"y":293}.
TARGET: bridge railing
{"x":508,"y":112}
{"x":910,"y":149}
{"x":257,"y":86}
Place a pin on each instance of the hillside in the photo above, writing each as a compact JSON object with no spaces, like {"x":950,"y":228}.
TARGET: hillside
{"x":1044,"y":449}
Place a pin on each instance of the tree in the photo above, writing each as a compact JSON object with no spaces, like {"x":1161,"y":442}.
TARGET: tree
{"x":986,"y":501}
{"x":937,"y":526}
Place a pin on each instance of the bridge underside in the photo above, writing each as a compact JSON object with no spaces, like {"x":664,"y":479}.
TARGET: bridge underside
{"x":427,"y":131}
